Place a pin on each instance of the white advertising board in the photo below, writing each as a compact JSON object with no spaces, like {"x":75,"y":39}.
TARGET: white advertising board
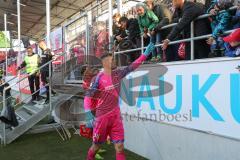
{"x":201,"y":95}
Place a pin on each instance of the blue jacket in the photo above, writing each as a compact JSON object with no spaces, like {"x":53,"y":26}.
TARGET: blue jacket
{"x":221,"y":22}
{"x":230,"y":51}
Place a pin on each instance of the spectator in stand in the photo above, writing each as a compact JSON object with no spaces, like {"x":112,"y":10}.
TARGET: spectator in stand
{"x":164,"y":16}
{"x":189,"y":12}
{"x":116,"y":28}
{"x":171,"y":53}
{"x":177,"y":12}
{"x":147,"y":21}
{"x":116,"y":24}
{"x":236,"y":17}
{"x":220,"y":20}
{"x":102,"y":39}
{"x":232,"y":44}
{"x":132,"y":38}
{"x":131,"y":26}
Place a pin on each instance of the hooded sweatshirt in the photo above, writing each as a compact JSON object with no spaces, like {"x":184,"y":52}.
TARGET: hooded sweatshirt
{"x":148,"y":20}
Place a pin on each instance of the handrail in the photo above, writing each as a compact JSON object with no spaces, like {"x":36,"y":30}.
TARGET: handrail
{"x":46,"y":64}
{"x":8,"y":81}
{"x":182,"y":40}
{"x":14,"y":77}
{"x":174,"y":42}
{"x":199,"y":17}
{"x":50,"y":90}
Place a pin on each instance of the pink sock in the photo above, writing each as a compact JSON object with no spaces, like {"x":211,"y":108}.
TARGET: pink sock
{"x":120,"y":156}
{"x":91,"y":154}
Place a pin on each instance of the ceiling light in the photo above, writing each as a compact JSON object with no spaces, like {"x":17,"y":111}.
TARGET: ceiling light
{"x":14,"y":3}
{"x":11,"y":23}
{"x":13,"y":14}
{"x":24,"y":5}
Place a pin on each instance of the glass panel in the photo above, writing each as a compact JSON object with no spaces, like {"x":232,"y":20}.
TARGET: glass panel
{"x":76,"y":49}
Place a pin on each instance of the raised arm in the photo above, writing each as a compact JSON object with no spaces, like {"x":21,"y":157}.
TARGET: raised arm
{"x":138,"y":61}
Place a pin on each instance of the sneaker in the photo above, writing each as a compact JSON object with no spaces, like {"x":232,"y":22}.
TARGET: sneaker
{"x":102,"y":151}
{"x":153,"y":59}
{"x":38,"y":98}
{"x":51,"y":121}
{"x":159,"y":59}
{"x":97,"y":156}
{"x":46,"y":101}
{"x":54,"y":93}
{"x":32,"y":101}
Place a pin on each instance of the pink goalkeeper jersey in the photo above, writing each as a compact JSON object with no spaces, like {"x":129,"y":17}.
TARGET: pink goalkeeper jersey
{"x":107,"y":93}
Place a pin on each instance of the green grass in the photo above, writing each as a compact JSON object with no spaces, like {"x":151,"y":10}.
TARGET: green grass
{"x":49,"y":146}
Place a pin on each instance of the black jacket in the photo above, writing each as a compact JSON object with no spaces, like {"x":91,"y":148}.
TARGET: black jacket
{"x":176,"y":15}
{"x":163,"y":14}
{"x":133,"y":29}
{"x":116,"y":31}
{"x":189,"y":12}
{"x":45,"y":58}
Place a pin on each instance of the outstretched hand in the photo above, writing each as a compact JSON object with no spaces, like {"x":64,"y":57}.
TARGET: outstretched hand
{"x":149,"y":49}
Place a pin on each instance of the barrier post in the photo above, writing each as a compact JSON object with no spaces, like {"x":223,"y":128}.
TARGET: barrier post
{"x":50,"y":85}
{"x":110,"y":23}
{"x":87,"y":42}
{"x":119,"y":6}
{"x":6,"y":51}
{"x":3,"y":114}
{"x":192,"y":40}
{"x":142,"y":44}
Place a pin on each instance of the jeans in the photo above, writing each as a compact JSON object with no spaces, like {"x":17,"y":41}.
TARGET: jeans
{"x":156,"y":39}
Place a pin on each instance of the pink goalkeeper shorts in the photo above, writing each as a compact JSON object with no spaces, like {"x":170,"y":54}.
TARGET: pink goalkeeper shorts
{"x":109,"y":125}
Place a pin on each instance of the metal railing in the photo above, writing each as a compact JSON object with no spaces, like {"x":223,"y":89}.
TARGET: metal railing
{"x":11,"y":79}
{"x":7,"y":99}
{"x":191,"y":39}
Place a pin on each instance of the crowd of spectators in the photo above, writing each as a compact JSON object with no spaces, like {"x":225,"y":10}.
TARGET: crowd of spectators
{"x":152,"y":17}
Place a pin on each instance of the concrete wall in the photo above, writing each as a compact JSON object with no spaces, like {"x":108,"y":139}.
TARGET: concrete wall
{"x":157,"y":141}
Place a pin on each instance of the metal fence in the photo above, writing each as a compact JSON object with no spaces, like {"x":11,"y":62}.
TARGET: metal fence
{"x":191,"y":39}
{"x":23,"y":101}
